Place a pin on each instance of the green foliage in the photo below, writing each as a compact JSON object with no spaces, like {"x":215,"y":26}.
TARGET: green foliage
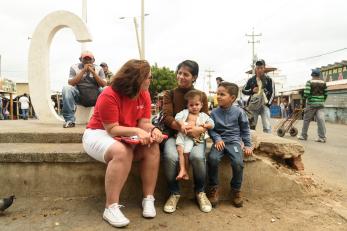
{"x":162,"y":79}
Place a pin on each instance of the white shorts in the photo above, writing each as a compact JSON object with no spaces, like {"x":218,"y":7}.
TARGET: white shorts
{"x":96,"y":142}
{"x":185,"y":141}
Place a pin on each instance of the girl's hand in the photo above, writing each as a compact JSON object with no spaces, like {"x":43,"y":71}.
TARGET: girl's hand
{"x":248,"y":151}
{"x":219,"y":145}
{"x":157,"y":135}
{"x":144,"y":136}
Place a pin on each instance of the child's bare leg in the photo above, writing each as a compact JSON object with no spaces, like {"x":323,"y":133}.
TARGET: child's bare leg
{"x":186,"y":163}
{"x":183,"y":172}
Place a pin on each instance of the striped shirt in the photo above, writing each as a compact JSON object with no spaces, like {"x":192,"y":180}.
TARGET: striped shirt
{"x":315,"y":92}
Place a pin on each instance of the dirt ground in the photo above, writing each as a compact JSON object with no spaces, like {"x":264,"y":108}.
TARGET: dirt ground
{"x":315,"y":211}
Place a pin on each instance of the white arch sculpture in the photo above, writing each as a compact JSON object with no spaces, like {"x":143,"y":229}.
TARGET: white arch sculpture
{"x":38,"y":62}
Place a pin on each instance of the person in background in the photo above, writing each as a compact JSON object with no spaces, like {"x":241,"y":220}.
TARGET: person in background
{"x":24,"y":106}
{"x":1,"y":115}
{"x":315,"y":93}
{"x":85,"y":75}
{"x":108,"y":73}
{"x":261,"y":84}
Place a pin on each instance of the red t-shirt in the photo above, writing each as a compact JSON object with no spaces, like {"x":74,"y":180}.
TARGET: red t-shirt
{"x":112,"y":107}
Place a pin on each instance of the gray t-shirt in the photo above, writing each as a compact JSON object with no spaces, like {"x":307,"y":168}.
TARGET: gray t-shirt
{"x":88,"y":78}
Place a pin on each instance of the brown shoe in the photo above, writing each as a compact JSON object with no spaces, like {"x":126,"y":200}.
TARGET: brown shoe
{"x":213,"y":195}
{"x":236,"y":198}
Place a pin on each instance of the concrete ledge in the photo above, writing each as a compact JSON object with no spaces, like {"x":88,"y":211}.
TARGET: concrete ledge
{"x":261,"y":178}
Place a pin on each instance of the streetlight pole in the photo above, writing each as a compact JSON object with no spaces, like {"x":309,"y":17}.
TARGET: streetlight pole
{"x":142,"y":56}
{"x":84,"y":18}
{"x":137,"y":37}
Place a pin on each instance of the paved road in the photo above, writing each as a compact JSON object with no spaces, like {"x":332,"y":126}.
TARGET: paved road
{"x":327,"y":161}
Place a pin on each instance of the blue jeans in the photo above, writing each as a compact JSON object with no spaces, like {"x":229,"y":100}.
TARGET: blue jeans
{"x":264,"y":112}
{"x":235,"y":154}
{"x":1,"y":115}
{"x":25,"y":113}
{"x":70,"y":98}
{"x":197,"y":160}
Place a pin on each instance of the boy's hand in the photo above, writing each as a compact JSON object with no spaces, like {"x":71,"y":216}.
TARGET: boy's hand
{"x":219,"y":145}
{"x":248,"y":151}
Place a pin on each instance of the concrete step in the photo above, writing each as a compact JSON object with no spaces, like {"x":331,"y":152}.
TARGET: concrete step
{"x":43,"y":153}
{"x":31,"y":131}
{"x":46,"y":137}
{"x":64,"y":170}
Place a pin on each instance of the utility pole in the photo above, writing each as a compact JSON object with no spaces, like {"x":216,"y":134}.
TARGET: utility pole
{"x":209,"y":75}
{"x":84,"y":17}
{"x":253,"y":42}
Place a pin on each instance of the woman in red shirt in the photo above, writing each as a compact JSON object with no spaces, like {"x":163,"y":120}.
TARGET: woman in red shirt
{"x":124,"y":109}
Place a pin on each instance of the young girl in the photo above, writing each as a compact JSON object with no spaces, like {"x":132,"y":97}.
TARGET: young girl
{"x":231,"y":127}
{"x":187,"y":119}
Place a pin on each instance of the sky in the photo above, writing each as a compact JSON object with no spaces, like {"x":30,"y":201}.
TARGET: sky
{"x":211,"y":32}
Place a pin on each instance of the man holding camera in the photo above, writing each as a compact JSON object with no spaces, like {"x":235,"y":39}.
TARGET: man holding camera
{"x":86,"y":81}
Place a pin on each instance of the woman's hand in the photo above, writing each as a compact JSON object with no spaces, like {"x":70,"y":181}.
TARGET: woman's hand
{"x":144,"y":136}
{"x":248,"y":151}
{"x":195,"y":131}
{"x":157,"y":135}
{"x":219,"y":145}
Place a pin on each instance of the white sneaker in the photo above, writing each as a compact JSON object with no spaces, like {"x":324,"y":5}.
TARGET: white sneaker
{"x":171,"y":203}
{"x":204,"y":203}
{"x":148,"y":207}
{"x":114,"y":216}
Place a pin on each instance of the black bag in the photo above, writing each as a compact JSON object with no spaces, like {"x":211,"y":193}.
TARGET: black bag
{"x":88,"y":95}
{"x":158,"y":121}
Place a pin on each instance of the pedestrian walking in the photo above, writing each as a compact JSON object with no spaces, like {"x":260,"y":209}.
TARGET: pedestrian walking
{"x":315,"y":94}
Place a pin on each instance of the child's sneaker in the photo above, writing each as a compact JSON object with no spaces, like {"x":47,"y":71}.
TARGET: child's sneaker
{"x":114,"y":216}
{"x":148,"y":207}
{"x":204,"y":203}
{"x":213,"y":195}
{"x":171,"y":203}
{"x":236,"y":198}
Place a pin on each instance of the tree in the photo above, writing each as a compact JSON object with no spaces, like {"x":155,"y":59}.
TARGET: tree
{"x":162,"y":79}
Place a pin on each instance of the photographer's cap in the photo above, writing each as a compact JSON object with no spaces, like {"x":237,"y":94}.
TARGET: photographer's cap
{"x":86,"y":54}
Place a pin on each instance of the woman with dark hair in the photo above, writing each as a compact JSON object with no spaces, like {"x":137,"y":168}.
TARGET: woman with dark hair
{"x":124,"y":109}
{"x":174,"y":102}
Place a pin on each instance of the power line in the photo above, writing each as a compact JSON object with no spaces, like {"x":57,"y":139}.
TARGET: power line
{"x":311,"y":57}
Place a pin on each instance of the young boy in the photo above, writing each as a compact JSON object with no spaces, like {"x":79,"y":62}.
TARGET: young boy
{"x":231,"y":127}
{"x":187,"y":119}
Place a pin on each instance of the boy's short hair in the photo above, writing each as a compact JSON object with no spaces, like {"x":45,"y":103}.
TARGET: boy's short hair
{"x":232,"y":88}
{"x":192,"y":94}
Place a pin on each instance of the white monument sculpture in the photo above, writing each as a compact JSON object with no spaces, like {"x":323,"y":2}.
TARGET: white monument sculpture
{"x":38,"y":64}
